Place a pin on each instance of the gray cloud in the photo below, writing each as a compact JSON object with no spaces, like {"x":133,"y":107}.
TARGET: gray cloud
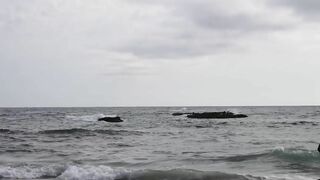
{"x":207,"y":15}
{"x":145,"y":29}
{"x":195,"y":28}
{"x":142,"y":52}
{"x":305,"y":8}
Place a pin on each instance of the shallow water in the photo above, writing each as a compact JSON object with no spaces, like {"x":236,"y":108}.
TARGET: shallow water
{"x":69,"y":143}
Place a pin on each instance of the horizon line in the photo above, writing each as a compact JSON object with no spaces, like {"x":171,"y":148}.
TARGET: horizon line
{"x":146,"y":106}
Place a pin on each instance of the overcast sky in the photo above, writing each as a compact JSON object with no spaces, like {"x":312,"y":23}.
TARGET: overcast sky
{"x":160,"y":53}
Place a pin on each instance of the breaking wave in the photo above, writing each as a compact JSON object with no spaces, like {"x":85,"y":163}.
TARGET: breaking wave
{"x":93,"y":117}
{"x":296,"y":155}
{"x":107,"y":173}
{"x":30,"y":172}
{"x":102,"y":172}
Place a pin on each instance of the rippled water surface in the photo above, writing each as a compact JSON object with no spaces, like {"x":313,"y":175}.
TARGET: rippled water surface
{"x":69,"y":143}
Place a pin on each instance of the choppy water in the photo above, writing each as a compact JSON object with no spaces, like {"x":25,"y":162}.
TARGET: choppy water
{"x":151,"y":144}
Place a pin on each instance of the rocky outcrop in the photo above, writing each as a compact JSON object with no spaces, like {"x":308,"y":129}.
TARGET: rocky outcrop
{"x":111,"y":119}
{"x":179,"y":114}
{"x":216,"y":115}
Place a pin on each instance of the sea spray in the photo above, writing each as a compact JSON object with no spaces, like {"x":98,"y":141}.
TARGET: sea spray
{"x":93,"y":172}
{"x":30,"y":171}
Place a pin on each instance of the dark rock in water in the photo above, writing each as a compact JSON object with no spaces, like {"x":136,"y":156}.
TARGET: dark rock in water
{"x":111,"y":119}
{"x":319,"y":148}
{"x":199,"y":126}
{"x":216,"y":115}
{"x":179,"y":114}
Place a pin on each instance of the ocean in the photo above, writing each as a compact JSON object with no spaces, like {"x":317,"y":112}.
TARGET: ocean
{"x":69,"y":143}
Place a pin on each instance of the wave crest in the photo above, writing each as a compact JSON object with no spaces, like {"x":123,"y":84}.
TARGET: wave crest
{"x":299,"y":155}
{"x":30,"y":172}
{"x":102,"y":172}
{"x":92,"y":172}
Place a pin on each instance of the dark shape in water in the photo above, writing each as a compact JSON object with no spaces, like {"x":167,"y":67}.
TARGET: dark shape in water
{"x":319,"y":148}
{"x":111,"y":119}
{"x":179,"y":114}
{"x":216,"y":115}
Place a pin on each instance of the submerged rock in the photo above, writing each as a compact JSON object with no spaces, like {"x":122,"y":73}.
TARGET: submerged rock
{"x":216,"y":115}
{"x":111,"y":119}
{"x":179,"y":114}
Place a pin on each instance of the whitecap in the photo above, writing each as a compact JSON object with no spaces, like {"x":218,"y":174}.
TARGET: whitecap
{"x":92,"y":173}
{"x":93,"y":117}
{"x":289,"y":177}
{"x":29,"y":172}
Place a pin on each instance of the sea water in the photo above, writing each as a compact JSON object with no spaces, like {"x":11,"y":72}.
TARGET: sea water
{"x":151,"y":144}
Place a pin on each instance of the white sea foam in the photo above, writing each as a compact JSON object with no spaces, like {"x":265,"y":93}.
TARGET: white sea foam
{"x":63,"y":172}
{"x":289,"y":177}
{"x":89,"y":172}
{"x":234,"y":110}
{"x":92,"y":173}
{"x":28,"y":172}
{"x":93,"y":117}
{"x":184,"y":109}
{"x":278,"y":148}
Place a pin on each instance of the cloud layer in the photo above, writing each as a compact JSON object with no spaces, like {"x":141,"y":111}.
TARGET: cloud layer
{"x":309,"y":9}
{"x":165,"y":29}
{"x":169,"y":52}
